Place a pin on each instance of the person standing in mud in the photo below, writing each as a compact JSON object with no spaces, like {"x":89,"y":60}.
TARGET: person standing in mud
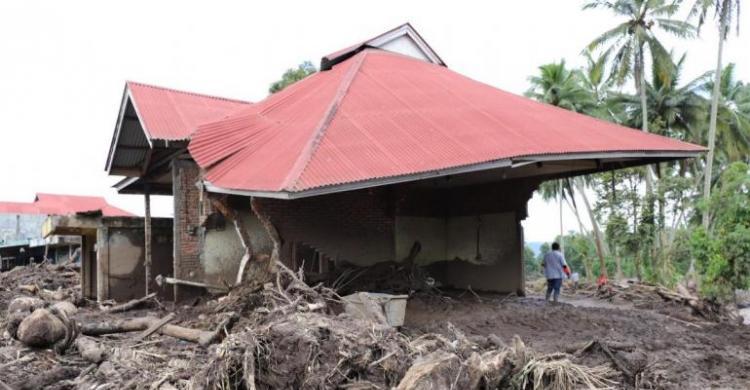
{"x":555,"y":269}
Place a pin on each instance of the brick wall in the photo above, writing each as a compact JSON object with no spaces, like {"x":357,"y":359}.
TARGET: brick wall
{"x":355,"y":226}
{"x":187,"y":238}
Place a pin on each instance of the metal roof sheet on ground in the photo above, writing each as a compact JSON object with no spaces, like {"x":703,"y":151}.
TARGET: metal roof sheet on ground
{"x":169,"y":114}
{"x":55,"y":204}
{"x":382,"y":115}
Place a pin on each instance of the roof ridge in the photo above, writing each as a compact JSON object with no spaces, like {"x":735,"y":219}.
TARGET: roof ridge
{"x":311,"y":147}
{"x":182,"y":91}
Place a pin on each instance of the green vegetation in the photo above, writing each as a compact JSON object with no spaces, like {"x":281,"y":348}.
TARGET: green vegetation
{"x":292,"y":75}
{"x":670,"y":221}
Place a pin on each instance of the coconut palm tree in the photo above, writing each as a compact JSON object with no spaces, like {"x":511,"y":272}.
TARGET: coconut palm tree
{"x":733,"y":117}
{"x":597,"y":84}
{"x":564,"y":88}
{"x":726,"y":12}
{"x":629,"y":42}
{"x":559,"y":86}
{"x":674,"y":110}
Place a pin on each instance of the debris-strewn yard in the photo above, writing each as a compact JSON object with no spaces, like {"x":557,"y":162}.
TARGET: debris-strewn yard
{"x":288,"y":334}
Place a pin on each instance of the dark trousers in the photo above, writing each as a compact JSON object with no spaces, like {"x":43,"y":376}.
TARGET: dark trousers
{"x":553,"y":287}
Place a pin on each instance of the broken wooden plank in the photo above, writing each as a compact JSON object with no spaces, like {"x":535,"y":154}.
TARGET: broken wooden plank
{"x":156,"y":326}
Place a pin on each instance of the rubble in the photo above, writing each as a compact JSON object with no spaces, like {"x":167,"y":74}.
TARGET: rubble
{"x":288,"y":334}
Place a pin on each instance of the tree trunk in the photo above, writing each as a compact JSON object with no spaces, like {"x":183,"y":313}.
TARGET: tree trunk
{"x":595,"y":227}
{"x":587,"y":266}
{"x":708,"y":172}
{"x":640,"y":86}
{"x":712,"y":123}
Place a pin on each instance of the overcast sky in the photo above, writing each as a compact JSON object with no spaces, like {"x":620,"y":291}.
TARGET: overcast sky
{"x":63,"y":65}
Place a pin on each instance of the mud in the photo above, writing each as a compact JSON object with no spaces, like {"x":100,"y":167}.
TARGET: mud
{"x":686,"y":354}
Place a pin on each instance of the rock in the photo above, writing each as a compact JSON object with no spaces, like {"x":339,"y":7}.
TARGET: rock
{"x":14,"y":319}
{"x":90,"y":349}
{"x":40,"y":329}
{"x":25,"y":305}
{"x":66,"y":307}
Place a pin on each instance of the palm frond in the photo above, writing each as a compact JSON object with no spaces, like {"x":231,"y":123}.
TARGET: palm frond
{"x":607,"y":36}
{"x":677,"y":28}
{"x":661,"y":59}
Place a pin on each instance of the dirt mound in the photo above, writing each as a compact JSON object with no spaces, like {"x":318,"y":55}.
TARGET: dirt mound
{"x":680,"y":354}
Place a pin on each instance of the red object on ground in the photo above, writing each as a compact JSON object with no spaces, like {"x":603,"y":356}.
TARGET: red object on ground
{"x":54,"y":204}
{"x":380,"y":115}
{"x":602,"y":280}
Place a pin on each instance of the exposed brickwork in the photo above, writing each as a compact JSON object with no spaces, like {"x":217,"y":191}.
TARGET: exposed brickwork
{"x":355,"y":226}
{"x":187,"y":210}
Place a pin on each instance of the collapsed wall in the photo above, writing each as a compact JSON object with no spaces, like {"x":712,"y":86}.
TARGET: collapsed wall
{"x":467,"y":236}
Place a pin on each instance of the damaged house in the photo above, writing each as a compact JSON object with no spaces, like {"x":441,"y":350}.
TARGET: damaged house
{"x":385,"y":154}
{"x":21,"y":237}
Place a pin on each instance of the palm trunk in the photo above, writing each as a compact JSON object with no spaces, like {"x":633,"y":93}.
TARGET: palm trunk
{"x":708,"y":174}
{"x":640,"y":86}
{"x":594,"y":227}
{"x":712,"y":122}
{"x":587,"y":266}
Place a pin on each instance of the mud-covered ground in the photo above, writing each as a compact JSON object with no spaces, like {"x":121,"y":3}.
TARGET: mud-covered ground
{"x":682,"y":350}
{"x":687,"y":354}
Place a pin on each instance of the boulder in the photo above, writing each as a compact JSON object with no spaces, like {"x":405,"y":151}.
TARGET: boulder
{"x":40,"y":329}
{"x":25,"y":305}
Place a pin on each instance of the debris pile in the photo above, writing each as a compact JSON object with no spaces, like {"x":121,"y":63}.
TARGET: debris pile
{"x":299,"y":338}
{"x":285,"y":333}
{"x":653,"y":296}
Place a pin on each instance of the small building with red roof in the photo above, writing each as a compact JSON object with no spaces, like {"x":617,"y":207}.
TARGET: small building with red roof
{"x":21,"y":236}
{"x":385,"y":154}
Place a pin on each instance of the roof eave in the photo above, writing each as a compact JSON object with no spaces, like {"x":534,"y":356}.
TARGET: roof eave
{"x":502,"y":163}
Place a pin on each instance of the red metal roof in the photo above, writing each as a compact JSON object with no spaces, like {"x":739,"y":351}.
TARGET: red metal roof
{"x":380,"y":115}
{"x":168,"y":114}
{"x":54,"y":204}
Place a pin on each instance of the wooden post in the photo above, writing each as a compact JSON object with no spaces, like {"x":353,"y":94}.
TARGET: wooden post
{"x":147,"y":240}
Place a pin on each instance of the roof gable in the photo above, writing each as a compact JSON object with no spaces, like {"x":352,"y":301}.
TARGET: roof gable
{"x":403,"y":39}
{"x":151,"y":114}
{"x":381,"y":115}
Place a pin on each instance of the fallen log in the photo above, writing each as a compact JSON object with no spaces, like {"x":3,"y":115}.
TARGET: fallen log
{"x":156,"y":326}
{"x":208,"y":338}
{"x":129,"y":305}
{"x":201,"y":337}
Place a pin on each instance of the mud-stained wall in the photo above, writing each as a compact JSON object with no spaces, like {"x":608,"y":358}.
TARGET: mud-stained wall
{"x":479,"y":239}
{"x":222,"y":249}
{"x":470,"y":235}
{"x":120,"y":259}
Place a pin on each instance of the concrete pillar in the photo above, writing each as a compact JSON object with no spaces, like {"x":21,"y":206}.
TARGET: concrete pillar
{"x":102,"y":264}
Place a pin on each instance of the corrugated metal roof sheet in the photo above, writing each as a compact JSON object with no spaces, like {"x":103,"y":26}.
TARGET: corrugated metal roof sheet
{"x":380,"y":115}
{"x":169,"y":114}
{"x":54,"y":204}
